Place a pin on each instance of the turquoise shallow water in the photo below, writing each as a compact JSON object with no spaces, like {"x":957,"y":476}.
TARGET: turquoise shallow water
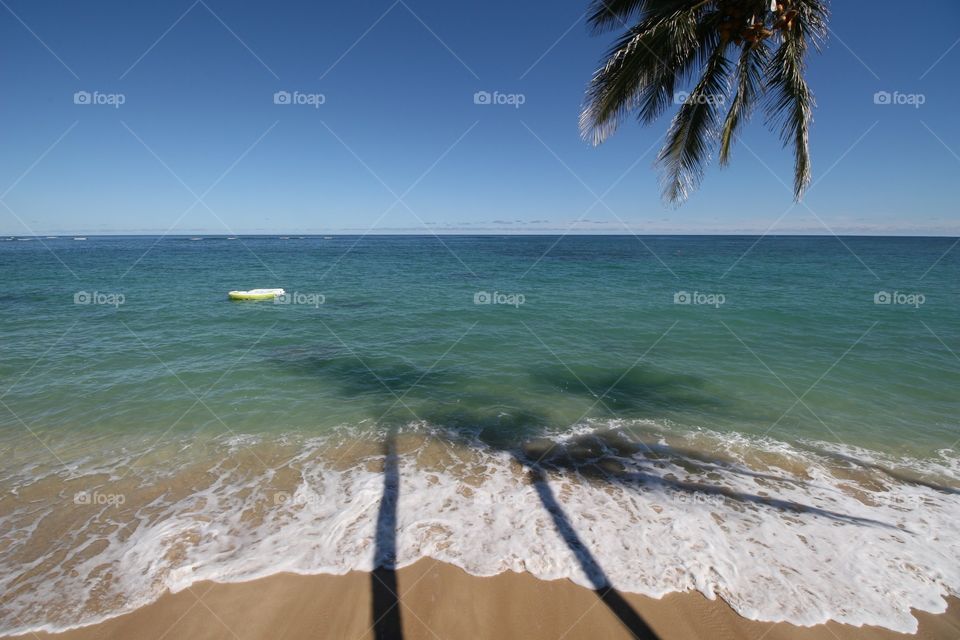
{"x":398,"y":319}
{"x":769,"y":420}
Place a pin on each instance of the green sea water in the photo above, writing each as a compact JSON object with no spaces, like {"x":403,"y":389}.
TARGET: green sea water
{"x":786,"y":339}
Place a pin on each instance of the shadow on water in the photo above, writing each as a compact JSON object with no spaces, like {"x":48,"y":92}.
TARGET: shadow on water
{"x":383,"y":579}
{"x":465,"y":415}
{"x":636,"y":392}
{"x":896,"y":474}
{"x":611,"y":457}
{"x":372,"y":377}
{"x":626,"y":393}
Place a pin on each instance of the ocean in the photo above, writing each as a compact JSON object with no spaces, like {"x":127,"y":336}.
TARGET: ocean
{"x":773,"y":420}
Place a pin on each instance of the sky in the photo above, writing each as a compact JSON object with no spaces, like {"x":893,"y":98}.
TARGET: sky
{"x":231,"y":117}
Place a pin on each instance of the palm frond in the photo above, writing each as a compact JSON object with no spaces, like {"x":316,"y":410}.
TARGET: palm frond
{"x":642,"y":69}
{"x":634,"y":60}
{"x":792,"y":102}
{"x":608,"y":15}
{"x":812,"y":21}
{"x":674,"y":41}
{"x":753,"y":59}
{"x":659,"y":91}
{"x":694,"y":129}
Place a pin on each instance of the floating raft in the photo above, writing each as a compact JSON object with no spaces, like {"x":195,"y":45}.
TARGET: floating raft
{"x":255,"y":294}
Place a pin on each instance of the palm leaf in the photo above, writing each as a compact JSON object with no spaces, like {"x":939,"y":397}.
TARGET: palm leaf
{"x":792,"y":102}
{"x":606,"y":15}
{"x":660,"y":89}
{"x":753,"y":59}
{"x":631,"y":63}
{"x":643,"y":68}
{"x":791,"y":107}
{"x":670,"y":42}
{"x":694,"y":129}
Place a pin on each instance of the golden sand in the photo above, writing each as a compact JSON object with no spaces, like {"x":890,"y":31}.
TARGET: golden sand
{"x":441,"y":601}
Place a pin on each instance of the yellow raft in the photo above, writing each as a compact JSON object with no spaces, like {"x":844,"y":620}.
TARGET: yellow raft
{"x":255,"y":294}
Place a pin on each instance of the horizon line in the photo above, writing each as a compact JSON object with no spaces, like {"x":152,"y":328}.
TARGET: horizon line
{"x":292,"y":235}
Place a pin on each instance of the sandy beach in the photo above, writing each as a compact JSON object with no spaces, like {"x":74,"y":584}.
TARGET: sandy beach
{"x":441,"y":601}
{"x":246,"y":553}
{"x":412,"y":319}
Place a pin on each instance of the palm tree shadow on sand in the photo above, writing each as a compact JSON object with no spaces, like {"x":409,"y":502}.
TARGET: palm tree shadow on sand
{"x":387,"y":623}
{"x":595,"y":573}
{"x":383,"y":579}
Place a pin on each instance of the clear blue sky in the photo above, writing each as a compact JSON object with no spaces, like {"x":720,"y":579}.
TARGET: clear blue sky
{"x":198,"y":80}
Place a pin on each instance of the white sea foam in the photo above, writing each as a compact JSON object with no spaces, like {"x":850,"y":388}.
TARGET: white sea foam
{"x":794,"y":533}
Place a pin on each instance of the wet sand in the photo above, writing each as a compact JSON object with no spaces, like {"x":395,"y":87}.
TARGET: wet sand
{"x":441,"y":601}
